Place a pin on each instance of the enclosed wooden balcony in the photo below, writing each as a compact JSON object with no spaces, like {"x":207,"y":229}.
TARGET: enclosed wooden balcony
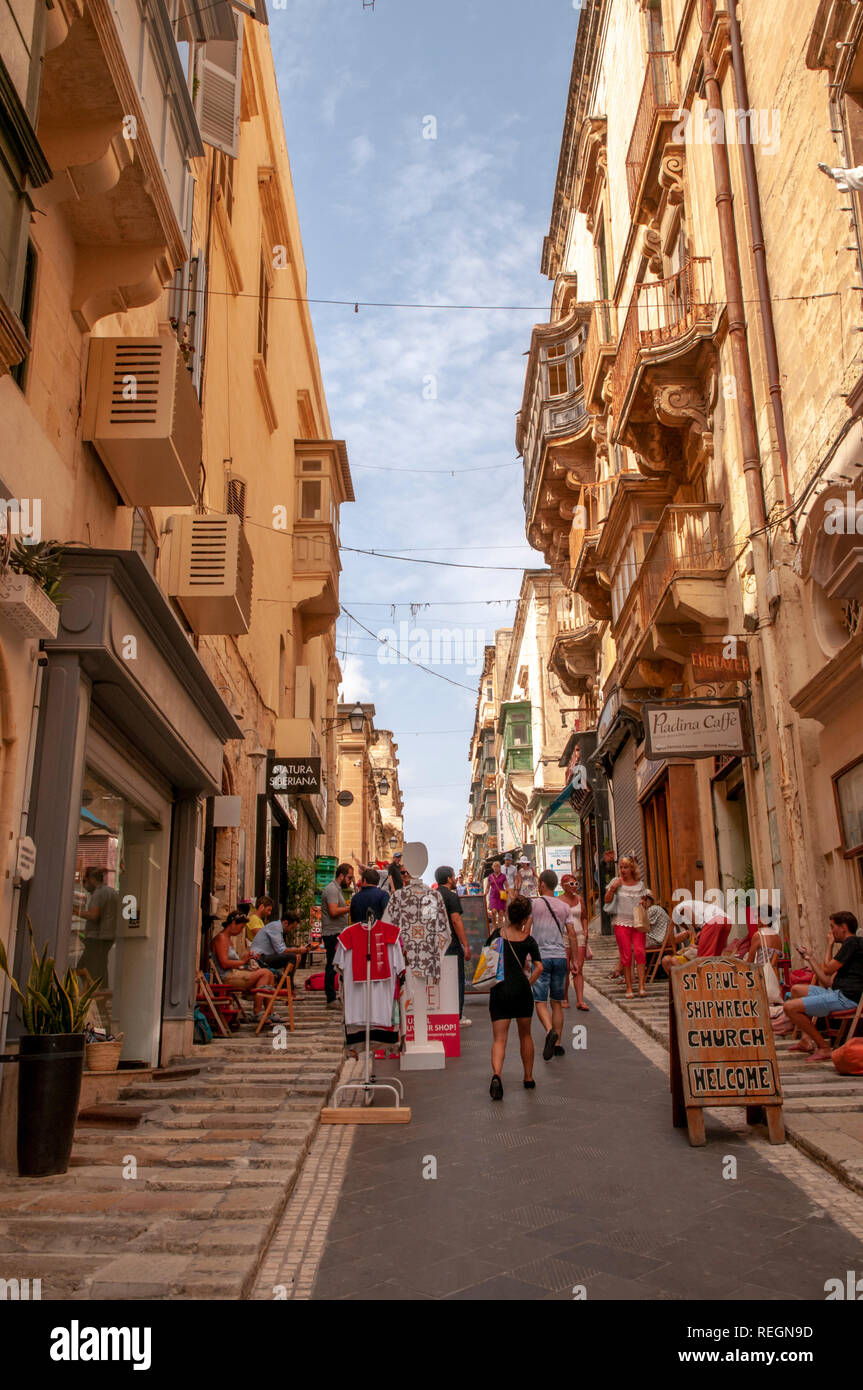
{"x":667,"y":320}
{"x":658,"y":108}
{"x":678,"y":593}
{"x":574,"y":642}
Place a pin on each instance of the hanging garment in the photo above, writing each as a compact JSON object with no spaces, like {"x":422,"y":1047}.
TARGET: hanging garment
{"x":363,"y":941}
{"x":356,"y":991}
{"x":421,"y":916}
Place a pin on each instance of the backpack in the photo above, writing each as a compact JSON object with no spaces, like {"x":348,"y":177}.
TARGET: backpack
{"x":202,"y":1032}
{"x":848,"y":1059}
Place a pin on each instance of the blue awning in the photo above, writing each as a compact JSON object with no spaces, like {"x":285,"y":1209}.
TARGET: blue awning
{"x":556,"y":804}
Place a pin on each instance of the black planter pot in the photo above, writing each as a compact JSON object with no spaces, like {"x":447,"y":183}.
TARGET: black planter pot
{"x":49,"y":1087}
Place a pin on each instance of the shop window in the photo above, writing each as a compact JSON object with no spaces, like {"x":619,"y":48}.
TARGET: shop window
{"x":118,"y":912}
{"x":848,"y":789}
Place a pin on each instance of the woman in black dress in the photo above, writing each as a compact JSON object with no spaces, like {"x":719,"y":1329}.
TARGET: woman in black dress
{"x":513,"y":997}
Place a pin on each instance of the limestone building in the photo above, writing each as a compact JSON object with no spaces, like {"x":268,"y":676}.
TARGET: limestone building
{"x":163,"y":411}
{"x":691,"y":434}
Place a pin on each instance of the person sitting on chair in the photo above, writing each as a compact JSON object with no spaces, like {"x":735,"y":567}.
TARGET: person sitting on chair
{"x":237,"y":970}
{"x":840,"y":986}
{"x":269,"y":947}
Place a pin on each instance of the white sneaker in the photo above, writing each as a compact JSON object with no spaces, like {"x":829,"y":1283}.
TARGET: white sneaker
{"x":466,"y":1022}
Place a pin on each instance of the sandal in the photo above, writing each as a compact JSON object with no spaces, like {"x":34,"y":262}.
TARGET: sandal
{"x":821,"y":1054}
{"x":583,"y":1008}
{"x":495,"y":1090}
{"x":630,"y":995}
{"x":802,"y":1046}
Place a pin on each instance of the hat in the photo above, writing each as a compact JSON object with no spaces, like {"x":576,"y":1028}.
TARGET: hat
{"x":507,"y":858}
{"x":524,"y":860}
{"x":647,"y":893}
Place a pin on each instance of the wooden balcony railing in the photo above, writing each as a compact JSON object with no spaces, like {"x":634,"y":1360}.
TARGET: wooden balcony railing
{"x":601,"y":343}
{"x":660,"y":312}
{"x":658,"y":103}
{"x":570,"y":615}
{"x":686,"y":544}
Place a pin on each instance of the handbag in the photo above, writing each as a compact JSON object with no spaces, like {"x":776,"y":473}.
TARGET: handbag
{"x":640,"y":919}
{"x":489,"y":968}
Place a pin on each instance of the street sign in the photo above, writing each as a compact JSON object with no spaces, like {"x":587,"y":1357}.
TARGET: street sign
{"x":722,"y":1050}
{"x":696,"y":729}
{"x":345,"y":798}
{"x":709,"y":662}
{"x":299,"y":776}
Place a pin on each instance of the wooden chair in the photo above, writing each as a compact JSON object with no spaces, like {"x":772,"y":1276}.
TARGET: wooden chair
{"x":658,"y":952}
{"x":238,"y":993}
{"x":220,"y":1010}
{"x":842,"y":1025}
{"x":284,"y":990}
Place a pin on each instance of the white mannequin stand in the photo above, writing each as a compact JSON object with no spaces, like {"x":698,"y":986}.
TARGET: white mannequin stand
{"x":421,"y":1055}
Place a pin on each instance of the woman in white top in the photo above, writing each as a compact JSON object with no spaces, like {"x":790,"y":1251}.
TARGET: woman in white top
{"x":622,"y":897}
{"x":525,"y":880}
{"x":571,"y":895}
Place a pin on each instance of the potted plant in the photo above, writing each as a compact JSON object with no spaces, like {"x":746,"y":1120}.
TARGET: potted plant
{"x":51,"y":1062}
{"x":30,"y":587}
{"x":300,"y":896}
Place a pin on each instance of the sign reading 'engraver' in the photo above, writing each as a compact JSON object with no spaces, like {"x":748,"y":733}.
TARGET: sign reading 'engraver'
{"x":722,"y":1043}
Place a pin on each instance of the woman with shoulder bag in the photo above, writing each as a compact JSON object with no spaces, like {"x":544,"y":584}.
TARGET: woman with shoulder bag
{"x":513,"y":997}
{"x":578,"y":927}
{"x":623,"y":899}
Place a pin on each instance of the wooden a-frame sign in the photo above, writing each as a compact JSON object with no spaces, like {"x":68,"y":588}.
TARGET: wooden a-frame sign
{"x":722,"y":1050}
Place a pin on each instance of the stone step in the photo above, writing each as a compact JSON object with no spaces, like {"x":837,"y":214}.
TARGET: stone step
{"x":28,"y":1233}
{"x":114,"y":1114}
{"x":254,"y":1090}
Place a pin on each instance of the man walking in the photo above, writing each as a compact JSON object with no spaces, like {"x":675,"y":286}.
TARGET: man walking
{"x":334,"y":911}
{"x":395,"y":874}
{"x":552,"y":932}
{"x":445,"y":880}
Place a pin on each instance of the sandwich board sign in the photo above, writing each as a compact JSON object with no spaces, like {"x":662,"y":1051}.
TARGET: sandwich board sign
{"x":722,"y":1050}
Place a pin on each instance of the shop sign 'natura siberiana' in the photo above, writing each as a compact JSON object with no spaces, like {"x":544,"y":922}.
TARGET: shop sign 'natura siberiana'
{"x":696,"y":730}
{"x":298,"y":776}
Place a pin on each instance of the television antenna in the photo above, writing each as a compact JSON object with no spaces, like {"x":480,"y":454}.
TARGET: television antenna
{"x":368,"y":4}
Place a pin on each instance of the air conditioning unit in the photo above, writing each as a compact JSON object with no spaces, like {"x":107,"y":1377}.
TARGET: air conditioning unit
{"x":142,"y":416}
{"x":210,"y":573}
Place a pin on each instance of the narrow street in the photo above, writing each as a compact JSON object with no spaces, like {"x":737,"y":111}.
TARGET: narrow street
{"x":582,"y":1182}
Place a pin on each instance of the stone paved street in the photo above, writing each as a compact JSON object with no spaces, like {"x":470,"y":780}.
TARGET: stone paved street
{"x":217,"y":1152}
{"x":580,"y":1182}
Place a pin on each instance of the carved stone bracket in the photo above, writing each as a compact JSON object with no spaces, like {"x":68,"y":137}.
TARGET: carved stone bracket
{"x":671,"y":171}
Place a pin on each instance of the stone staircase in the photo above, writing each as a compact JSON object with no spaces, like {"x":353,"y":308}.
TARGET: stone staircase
{"x":823,"y":1111}
{"x":175,"y":1191}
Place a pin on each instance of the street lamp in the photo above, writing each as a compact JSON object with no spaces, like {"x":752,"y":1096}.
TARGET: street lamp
{"x":393,"y":841}
{"x":356,"y":719}
{"x":383,"y":785}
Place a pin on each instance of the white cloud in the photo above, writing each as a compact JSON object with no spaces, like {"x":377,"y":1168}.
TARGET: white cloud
{"x":355,"y":685}
{"x":362,"y":151}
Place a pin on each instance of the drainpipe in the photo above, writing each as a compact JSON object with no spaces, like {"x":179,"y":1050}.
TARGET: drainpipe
{"x":734,"y":290}
{"x":759,"y":254}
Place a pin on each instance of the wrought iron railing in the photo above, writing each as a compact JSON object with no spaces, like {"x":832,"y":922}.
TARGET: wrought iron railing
{"x":658,"y":102}
{"x":660,"y":312}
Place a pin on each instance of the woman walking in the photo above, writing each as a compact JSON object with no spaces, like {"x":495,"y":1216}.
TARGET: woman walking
{"x":572,"y":896}
{"x":623,"y":897}
{"x":525,"y":880}
{"x":496,"y":894}
{"x":513,"y":997}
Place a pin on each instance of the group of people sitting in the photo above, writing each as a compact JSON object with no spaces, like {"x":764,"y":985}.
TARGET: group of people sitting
{"x":698,"y":928}
{"x":266,"y":952}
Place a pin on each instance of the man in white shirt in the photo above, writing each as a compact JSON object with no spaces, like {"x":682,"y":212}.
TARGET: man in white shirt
{"x":552,"y":931}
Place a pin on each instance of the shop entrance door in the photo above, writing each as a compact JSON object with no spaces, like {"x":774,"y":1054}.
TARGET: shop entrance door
{"x":658,"y":846}
{"x":117,"y":928}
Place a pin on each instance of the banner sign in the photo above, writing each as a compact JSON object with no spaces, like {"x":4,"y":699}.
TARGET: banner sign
{"x":298,"y":776}
{"x":696,"y":730}
{"x":710,"y":663}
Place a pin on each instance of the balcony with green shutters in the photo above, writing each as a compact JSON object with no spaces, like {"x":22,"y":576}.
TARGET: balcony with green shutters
{"x":515,"y":726}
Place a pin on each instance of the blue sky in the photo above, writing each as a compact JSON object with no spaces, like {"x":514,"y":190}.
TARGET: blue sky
{"x":388,"y":215}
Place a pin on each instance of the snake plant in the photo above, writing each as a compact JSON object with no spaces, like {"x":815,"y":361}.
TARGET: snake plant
{"x":49,"y":1004}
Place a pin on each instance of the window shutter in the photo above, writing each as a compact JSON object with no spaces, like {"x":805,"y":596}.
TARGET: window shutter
{"x":235,"y":500}
{"x":197,"y":314}
{"x":217,"y":102}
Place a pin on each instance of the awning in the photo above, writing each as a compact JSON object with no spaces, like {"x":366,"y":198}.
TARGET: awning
{"x":559,"y":801}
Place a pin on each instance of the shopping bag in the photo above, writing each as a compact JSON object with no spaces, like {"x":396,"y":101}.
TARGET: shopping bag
{"x":489,"y":970}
